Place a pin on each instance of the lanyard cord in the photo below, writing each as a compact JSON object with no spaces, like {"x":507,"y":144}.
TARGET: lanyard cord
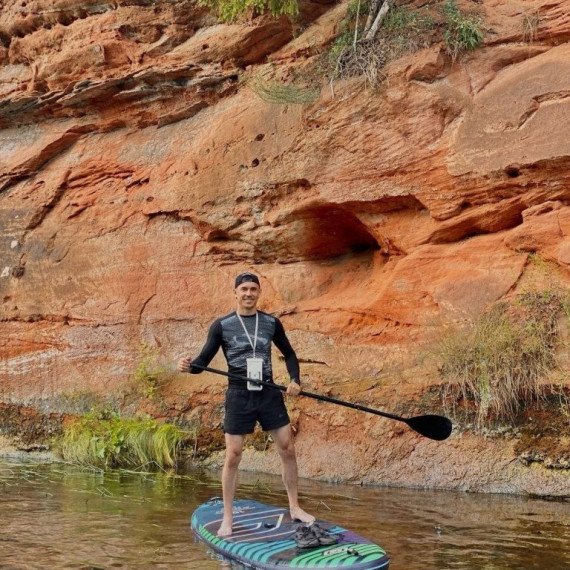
{"x":254,"y":343}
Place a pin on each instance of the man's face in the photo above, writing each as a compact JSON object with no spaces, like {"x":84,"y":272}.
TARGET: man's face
{"x":247,"y":295}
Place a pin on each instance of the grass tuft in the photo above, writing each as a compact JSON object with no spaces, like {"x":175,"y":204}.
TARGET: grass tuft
{"x":149,"y":375}
{"x":463,"y":31}
{"x":281,"y":93}
{"x":107,"y":441}
{"x":501,"y":362}
{"x":530,"y":25}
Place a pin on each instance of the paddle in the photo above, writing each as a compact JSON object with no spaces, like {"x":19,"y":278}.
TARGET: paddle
{"x":432,"y":426}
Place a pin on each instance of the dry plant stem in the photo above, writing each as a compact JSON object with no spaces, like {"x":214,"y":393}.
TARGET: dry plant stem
{"x":356,"y":26}
{"x":380,"y":16}
{"x":374,"y":5}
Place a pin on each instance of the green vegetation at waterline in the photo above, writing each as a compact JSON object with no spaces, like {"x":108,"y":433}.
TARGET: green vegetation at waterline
{"x":107,"y":441}
{"x":504,"y":360}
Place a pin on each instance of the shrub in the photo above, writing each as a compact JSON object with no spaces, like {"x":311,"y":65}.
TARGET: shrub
{"x":149,"y":374}
{"x":499,"y":363}
{"x":402,"y":31}
{"x":463,"y":32}
{"x":107,"y":440}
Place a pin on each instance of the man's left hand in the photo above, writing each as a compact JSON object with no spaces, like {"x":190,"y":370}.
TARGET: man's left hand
{"x":293,"y":389}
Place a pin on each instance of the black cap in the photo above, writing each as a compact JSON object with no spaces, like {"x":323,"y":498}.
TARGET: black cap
{"x":245,"y":278}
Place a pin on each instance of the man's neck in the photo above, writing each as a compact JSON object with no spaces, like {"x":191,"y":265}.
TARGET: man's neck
{"x":246,"y":312}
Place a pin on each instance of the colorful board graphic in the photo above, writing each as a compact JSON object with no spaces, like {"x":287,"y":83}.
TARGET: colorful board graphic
{"x":263,"y":538}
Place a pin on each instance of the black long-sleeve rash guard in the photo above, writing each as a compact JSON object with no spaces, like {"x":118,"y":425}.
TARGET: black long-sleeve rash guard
{"x":227,"y":332}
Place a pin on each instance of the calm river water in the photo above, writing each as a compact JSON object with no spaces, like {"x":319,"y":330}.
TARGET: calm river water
{"x":58,"y":516}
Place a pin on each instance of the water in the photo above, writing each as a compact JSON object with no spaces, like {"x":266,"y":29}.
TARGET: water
{"x":57,"y":516}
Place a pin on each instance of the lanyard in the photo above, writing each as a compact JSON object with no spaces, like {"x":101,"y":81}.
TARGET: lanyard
{"x":254,"y":343}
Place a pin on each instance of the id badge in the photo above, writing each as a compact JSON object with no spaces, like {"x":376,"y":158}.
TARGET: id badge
{"x":255,"y":372}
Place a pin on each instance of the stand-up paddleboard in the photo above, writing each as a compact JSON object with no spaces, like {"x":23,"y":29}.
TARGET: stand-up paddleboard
{"x":262,"y":538}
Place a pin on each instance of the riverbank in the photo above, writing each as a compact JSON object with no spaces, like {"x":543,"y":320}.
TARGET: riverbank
{"x":518,"y":461}
{"x":11,"y":448}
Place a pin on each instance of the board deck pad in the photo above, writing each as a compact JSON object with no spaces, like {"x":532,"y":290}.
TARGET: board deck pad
{"x":262,"y":538}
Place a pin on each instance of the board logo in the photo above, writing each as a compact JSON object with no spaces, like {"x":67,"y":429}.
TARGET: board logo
{"x":237,"y":510}
{"x":340,"y":550}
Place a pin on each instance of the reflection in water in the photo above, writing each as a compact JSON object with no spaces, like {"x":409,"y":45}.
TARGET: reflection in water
{"x":59,"y":516}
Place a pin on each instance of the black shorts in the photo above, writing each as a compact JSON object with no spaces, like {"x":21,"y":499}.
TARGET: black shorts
{"x":244,"y":408}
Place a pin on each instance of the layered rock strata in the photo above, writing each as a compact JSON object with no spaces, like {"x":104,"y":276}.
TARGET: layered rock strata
{"x":140,"y":171}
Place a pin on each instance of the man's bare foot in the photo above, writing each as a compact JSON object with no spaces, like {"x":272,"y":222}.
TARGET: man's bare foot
{"x":299,"y":514}
{"x":225,"y":528}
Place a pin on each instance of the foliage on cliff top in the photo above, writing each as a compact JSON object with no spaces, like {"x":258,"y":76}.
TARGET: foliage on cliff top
{"x":502,"y":361}
{"x":361,"y":49}
{"x":106,"y":440}
{"x":229,"y":10}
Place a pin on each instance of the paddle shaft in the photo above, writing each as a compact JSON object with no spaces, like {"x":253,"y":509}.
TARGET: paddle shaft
{"x":304,"y":393}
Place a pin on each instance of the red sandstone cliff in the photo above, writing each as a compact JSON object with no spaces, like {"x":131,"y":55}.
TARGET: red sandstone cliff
{"x":139,"y":174}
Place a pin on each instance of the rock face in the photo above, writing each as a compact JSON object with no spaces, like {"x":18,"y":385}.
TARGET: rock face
{"x":139,"y":172}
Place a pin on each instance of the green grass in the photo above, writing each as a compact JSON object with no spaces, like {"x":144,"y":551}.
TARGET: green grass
{"x":231,"y":10}
{"x":463,"y":31}
{"x":501,"y":362}
{"x":107,"y":441}
{"x":403,"y":20}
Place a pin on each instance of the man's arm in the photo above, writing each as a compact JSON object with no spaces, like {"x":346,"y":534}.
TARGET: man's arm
{"x":291,"y":361}
{"x":213,"y":344}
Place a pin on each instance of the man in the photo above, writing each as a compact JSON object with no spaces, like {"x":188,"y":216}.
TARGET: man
{"x":245,"y":337}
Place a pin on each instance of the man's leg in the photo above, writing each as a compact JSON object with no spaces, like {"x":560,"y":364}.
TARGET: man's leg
{"x":234,"y":446}
{"x":283,"y":439}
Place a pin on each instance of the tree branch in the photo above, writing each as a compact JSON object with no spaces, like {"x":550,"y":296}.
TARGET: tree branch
{"x":380,"y":16}
{"x":371,"y":14}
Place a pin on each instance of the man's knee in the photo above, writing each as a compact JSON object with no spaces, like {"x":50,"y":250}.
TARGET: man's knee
{"x":286,"y":449}
{"x":233,"y":456}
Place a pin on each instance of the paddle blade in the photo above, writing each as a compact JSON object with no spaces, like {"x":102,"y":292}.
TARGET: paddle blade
{"x":434,"y":427}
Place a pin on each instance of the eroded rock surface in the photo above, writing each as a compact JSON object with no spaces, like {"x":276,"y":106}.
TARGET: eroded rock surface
{"x":140,"y":171}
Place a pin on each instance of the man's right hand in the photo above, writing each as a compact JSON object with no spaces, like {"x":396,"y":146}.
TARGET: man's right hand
{"x":184,"y":364}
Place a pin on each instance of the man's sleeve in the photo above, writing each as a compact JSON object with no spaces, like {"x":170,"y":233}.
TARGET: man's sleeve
{"x":282,"y":343}
{"x":213,"y":344}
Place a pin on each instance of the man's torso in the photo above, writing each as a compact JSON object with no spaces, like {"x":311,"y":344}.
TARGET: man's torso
{"x":237,"y":345}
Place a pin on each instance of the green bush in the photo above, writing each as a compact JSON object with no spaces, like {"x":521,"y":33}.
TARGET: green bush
{"x":500,"y":362}
{"x":229,"y":10}
{"x":463,"y":32}
{"x":107,"y":440}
